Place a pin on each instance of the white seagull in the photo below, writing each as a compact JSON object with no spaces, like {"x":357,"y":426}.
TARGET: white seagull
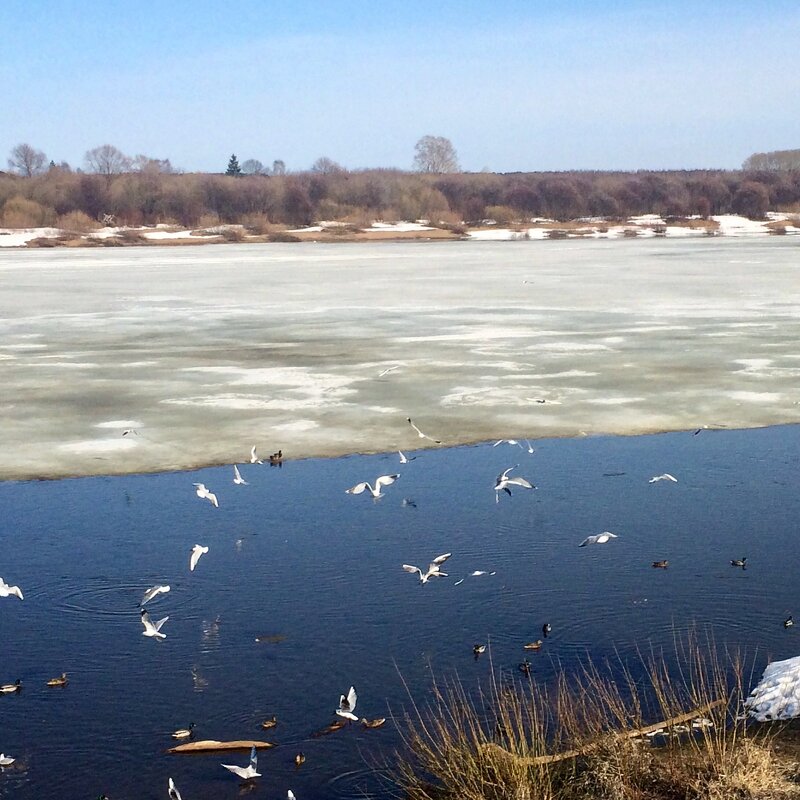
{"x":404,"y":459}
{"x":420,"y":433}
{"x":254,"y":459}
{"x":601,"y":538}
{"x":6,"y":761}
{"x":384,"y":480}
{"x":152,"y":593}
{"x":204,"y":494}
{"x":7,"y":591}
{"x":512,"y":442}
{"x":290,"y":795}
{"x":387,"y":371}
{"x":433,"y":568}
{"x":530,"y":446}
{"x":248,"y":772}
{"x":153,"y":628}
{"x":347,"y":705}
{"x":197,"y":551}
{"x":665,"y":477}
{"x":174,"y":794}
{"x":502,"y":482}
{"x":237,"y":477}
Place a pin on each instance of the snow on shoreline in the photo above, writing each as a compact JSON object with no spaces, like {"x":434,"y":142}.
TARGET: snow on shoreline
{"x":646,"y":225}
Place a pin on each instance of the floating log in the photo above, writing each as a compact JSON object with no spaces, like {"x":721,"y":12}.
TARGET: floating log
{"x":211,"y":745}
{"x":534,"y":761}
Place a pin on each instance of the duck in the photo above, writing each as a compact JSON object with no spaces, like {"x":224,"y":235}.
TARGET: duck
{"x":660,"y":564}
{"x":525,"y":667}
{"x":537,"y":645}
{"x":60,"y":681}
{"x":546,"y":629}
{"x":269,"y":723}
{"x":183,"y":733}
{"x":299,"y":760}
{"x":276,"y":458}
{"x":788,"y":622}
{"x":478,"y":649}
{"x":373,"y":723}
{"x":332,"y":728}
{"x":739,"y":562}
{"x":8,"y":688}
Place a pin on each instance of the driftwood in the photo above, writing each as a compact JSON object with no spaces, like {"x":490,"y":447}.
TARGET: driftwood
{"x":211,"y":745}
{"x":532,"y":761}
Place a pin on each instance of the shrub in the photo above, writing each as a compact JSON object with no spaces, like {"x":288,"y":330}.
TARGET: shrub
{"x":282,"y":236}
{"x":77,"y":222}
{"x":19,"y":212}
{"x":502,"y":215}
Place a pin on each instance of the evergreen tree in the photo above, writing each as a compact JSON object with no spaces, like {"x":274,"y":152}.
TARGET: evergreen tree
{"x":233,"y":167}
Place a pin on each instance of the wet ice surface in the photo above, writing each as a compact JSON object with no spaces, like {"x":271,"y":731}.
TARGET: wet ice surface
{"x":207,"y":351}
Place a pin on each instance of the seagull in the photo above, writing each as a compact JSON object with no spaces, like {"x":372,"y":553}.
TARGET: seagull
{"x":347,"y":705}
{"x":547,"y":629}
{"x":387,"y":371}
{"x":130,"y":432}
{"x":6,"y":761}
{"x":290,"y":795}
{"x":739,"y":562}
{"x":248,"y":772}
{"x":502,"y":482}
{"x":420,"y":433}
{"x":237,"y":477}
{"x":433,"y":568}
{"x":197,"y":551}
{"x":404,"y":459}
{"x":152,"y":628}
{"x":152,"y":593}
{"x":601,"y":538}
{"x":7,"y":591}
{"x":513,"y":442}
{"x":788,"y":622}
{"x":384,"y":480}
{"x":174,"y":794}
{"x":254,"y":459}
{"x":530,"y":446}
{"x":665,"y":477}
{"x":204,"y":494}
{"x":479,"y":572}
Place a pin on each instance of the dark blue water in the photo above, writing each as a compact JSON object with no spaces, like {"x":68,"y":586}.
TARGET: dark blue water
{"x":293,"y":555}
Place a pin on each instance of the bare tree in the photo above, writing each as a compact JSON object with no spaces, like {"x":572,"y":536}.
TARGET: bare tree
{"x":107,"y":160}
{"x":252,"y":166}
{"x":26,"y":160}
{"x":152,"y":165}
{"x":435,"y":154}
{"x":278,"y":167}
{"x":326,"y":166}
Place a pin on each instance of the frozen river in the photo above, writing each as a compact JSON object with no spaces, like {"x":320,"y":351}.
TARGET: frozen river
{"x":207,"y":351}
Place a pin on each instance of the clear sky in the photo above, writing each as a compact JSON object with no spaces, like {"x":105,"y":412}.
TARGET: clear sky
{"x":514,"y":84}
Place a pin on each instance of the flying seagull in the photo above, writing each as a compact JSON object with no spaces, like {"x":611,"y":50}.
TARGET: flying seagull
{"x":387,"y":371}
{"x":204,"y":494}
{"x":152,"y":593}
{"x":197,"y":551}
{"x":404,"y":459}
{"x":512,"y":442}
{"x":384,"y":480}
{"x":601,"y":538}
{"x":7,"y":591}
{"x":174,"y":794}
{"x":153,"y":628}
{"x":248,"y":772}
{"x":237,"y":477}
{"x":254,"y":459}
{"x":420,"y":433}
{"x":433,"y":568}
{"x":347,"y":705}
{"x":502,"y":482}
{"x":665,"y":477}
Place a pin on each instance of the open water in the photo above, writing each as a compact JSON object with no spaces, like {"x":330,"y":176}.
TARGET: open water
{"x":295,"y":558}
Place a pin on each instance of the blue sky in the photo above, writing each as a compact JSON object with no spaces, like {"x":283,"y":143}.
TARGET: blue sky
{"x":514,"y":85}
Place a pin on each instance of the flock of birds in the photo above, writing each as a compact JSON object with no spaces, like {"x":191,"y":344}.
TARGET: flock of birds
{"x":504,"y":482}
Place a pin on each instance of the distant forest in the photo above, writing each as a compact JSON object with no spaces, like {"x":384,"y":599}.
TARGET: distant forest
{"x":147,"y":192}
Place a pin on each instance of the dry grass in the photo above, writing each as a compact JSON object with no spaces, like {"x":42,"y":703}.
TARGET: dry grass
{"x":576,"y":738}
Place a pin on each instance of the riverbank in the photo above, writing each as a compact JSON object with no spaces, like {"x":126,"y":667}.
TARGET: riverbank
{"x":325,"y":350}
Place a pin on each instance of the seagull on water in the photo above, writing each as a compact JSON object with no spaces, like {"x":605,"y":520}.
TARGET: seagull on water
{"x":237,"y":477}
{"x":420,"y":433}
{"x":530,"y":446}
{"x":248,"y":772}
{"x":7,"y":591}
{"x":433,"y":568}
{"x":404,"y":459}
{"x":601,"y":538}
{"x":502,"y":482}
{"x":204,"y":494}
{"x":254,"y":459}
{"x":197,"y":551}
{"x":347,"y":705}
{"x":6,"y":761}
{"x":150,"y":594}
{"x":174,"y":794}
{"x":512,"y":442}
{"x":383,"y":480}
{"x":153,"y":628}
{"x":665,"y":477}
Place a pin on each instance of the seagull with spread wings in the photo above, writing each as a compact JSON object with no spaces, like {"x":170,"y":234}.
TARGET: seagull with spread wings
{"x":433,"y":570}
{"x":375,"y":491}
